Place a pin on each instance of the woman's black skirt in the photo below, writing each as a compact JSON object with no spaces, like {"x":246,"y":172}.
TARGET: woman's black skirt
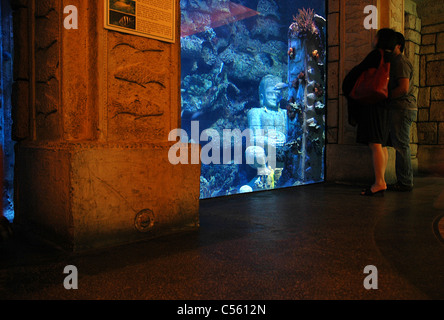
{"x":373,"y":124}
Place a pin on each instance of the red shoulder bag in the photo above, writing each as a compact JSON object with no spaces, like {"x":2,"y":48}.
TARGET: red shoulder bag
{"x":372,"y":85}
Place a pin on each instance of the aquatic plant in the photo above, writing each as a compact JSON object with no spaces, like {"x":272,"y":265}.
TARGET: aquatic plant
{"x":315,"y":55}
{"x":318,"y":90}
{"x":302,"y":78}
{"x":304,"y":24}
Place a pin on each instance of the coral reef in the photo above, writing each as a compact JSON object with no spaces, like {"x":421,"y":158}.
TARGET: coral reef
{"x":307,"y":75}
{"x":304,"y":24}
{"x":227,"y":48}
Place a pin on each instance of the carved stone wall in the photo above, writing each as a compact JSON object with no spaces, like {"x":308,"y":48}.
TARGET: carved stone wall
{"x":412,"y":34}
{"x":22,"y":71}
{"x":138,"y":89}
{"x":92,"y":113}
{"x":348,"y":44}
{"x":397,"y":15}
{"x":47,"y":109}
{"x":431,"y":88}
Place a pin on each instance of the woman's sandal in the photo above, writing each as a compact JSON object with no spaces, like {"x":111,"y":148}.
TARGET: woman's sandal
{"x":368,"y":192}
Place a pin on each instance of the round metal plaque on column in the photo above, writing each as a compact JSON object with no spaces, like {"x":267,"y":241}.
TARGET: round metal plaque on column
{"x":144,"y":220}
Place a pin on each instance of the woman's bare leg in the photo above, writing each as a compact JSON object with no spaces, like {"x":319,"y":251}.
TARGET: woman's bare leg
{"x":380,"y":160}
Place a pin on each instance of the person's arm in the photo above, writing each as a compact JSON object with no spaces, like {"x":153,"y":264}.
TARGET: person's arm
{"x":401,"y":89}
{"x":402,"y":74}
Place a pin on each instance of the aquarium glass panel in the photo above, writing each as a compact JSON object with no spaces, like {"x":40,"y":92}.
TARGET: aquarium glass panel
{"x":6,"y":81}
{"x":253,"y":92}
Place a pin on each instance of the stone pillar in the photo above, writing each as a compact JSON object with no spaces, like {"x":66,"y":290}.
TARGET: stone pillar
{"x":391,"y":14}
{"x":431,"y":88}
{"x":412,"y":34}
{"x":348,"y":44}
{"x":93,"y":109}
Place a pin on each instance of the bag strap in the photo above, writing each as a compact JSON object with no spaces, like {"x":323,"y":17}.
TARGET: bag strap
{"x":382,"y":57}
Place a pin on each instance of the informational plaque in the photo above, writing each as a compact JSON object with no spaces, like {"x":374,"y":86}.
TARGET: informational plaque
{"x":147,"y":18}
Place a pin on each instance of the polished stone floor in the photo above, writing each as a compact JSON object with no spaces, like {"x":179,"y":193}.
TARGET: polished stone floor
{"x":308,"y":242}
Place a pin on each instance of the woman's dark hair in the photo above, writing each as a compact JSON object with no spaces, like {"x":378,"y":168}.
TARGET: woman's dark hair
{"x":386,"y":39}
{"x":400,"y":40}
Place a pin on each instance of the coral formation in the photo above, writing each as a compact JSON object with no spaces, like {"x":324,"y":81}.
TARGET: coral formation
{"x":224,"y":58}
{"x":304,"y":24}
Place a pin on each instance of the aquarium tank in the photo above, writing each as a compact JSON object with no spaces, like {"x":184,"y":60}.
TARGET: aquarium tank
{"x":253,"y":76}
{"x":6,"y":82}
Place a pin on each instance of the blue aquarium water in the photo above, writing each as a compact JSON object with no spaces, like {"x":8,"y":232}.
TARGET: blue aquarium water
{"x":6,"y":80}
{"x":254,"y":69}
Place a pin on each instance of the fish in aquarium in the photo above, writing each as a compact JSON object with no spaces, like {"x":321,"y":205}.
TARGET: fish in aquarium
{"x":228,"y":48}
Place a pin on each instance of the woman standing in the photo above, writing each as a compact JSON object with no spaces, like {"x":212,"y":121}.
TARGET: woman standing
{"x":372,"y":118}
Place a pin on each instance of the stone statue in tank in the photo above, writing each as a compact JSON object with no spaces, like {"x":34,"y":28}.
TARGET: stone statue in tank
{"x":267,"y":129}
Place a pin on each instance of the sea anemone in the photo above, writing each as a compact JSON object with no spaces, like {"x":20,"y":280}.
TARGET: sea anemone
{"x":319,"y":92}
{"x":301,"y":77}
{"x":291,"y":53}
{"x":315,"y":55}
{"x":291,"y":108}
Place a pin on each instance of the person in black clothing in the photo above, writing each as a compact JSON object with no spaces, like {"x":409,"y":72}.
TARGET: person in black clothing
{"x":372,"y":119}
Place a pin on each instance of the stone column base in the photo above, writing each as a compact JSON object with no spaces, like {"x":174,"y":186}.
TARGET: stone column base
{"x":90,"y":195}
{"x":431,"y":159}
{"x":353,"y":164}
